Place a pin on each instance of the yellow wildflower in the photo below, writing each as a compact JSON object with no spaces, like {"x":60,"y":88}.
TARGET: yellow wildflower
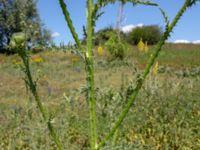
{"x":37,"y":59}
{"x":141,"y":45}
{"x":155,"y":69}
{"x":100,"y":51}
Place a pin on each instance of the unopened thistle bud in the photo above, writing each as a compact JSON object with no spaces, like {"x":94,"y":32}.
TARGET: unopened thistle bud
{"x":17,"y":41}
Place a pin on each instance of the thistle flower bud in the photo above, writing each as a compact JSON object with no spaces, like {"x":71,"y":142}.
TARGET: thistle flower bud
{"x":17,"y":40}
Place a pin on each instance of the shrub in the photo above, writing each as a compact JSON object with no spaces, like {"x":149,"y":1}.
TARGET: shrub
{"x":150,"y":34}
{"x":117,"y":47}
{"x":103,"y":35}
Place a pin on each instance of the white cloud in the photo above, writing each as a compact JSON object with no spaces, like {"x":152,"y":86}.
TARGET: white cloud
{"x":196,"y":42}
{"x":187,"y":41}
{"x":130,"y":27}
{"x":182,"y":41}
{"x":55,"y":34}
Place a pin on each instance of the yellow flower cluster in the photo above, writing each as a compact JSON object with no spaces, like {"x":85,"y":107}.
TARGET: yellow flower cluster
{"x":37,"y":59}
{"x":100,"y":51}
{"x":143,"y":47}
{"x":155,"y":69}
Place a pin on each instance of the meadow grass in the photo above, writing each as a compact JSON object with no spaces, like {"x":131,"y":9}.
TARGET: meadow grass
{"x":164,"y":116}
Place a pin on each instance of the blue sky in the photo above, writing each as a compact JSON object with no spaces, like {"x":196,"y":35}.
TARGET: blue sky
{"x":188,"y":29}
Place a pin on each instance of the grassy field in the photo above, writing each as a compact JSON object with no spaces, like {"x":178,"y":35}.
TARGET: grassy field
{"x":166,"y":114}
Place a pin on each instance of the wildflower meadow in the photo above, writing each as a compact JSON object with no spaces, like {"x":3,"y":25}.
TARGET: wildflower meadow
{"x":104,"y":95}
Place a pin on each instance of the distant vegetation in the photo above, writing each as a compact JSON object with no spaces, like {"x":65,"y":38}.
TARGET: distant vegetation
{"x":116,"y":42}
{"x":22,"y":16}
{"x":150,"y":34}
{"x":103,"y":35}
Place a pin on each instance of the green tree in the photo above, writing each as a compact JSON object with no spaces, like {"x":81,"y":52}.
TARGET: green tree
{"x":21,"y":16}
{"x":150,"y":34}
{"x":116,"y":46}
{"x":103,"y":35}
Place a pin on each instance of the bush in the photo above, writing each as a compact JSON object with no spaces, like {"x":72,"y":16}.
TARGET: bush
{"x":151,"y":34}
{"x":117,"y":47}
{"x":105,"y":34}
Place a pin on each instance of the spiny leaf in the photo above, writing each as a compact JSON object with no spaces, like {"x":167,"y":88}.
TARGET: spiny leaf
{"x":165,"y":18}
{"x":141,"y":2}
{"x":164,"y":15}
{"x":69,"y":23}
{"x":192,"y":2}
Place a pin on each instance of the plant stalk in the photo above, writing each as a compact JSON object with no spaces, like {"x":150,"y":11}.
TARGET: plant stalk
{"x":32,"y":87}
{"x":90,"y":75}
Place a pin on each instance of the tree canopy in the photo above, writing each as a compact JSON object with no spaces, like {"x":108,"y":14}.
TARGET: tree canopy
{"x":21,"y":16}
{"x":150,"y":33}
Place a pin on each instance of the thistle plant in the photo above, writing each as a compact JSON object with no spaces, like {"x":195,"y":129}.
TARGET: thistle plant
{"x":18,"y":43}
{"x":93,"y":13}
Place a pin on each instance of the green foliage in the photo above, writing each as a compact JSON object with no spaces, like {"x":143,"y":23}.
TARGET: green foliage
{"x":103,"y":35}
{"x":21,"y":16}
{"x":116,"y":46}
{"x":152,"y":34}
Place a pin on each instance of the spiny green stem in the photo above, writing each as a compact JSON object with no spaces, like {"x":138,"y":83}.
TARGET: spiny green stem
{"x":145,"y":73}
{"x":70,"y":24}
{"x":101,"y":3}
{"x":32,"y":86}
{"x":90,"y":75}
{"x":89,"y":63}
